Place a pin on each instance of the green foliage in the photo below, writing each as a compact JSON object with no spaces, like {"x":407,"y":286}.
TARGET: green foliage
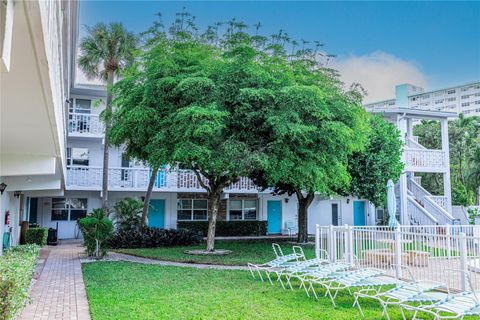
{"x":227,"y":228}
{"x":234,"y":104}
{"x":147,"y":237}
{"x":106,"y":48}
{"x":37,"y":236}
{"x":96,"y":230}
{"x":128,"y":213}
{"x":378,"y":162}
{"x":464,"y":138}
{"x":16,"y":270}
{"x":473,"y":213}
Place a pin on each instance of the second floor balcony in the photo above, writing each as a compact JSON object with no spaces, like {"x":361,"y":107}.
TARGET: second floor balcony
{"x":137,"y":179}
{"x":85,"y":125}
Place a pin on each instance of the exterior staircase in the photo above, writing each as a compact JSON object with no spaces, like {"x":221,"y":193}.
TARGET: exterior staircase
{"x":425,"y":208}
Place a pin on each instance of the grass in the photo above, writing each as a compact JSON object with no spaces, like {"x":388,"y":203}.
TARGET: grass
{"x":258,"y":251}
{"x":122,"y":290}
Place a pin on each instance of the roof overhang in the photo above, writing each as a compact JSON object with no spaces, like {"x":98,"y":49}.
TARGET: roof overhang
{"x":416,"y":113}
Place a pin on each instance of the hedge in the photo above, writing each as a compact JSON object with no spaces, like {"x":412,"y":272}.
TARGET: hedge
{"x":17,"y":266}
{"x":227,"y":228}
{"x":37,"y":236}
{"x":147,"y":237}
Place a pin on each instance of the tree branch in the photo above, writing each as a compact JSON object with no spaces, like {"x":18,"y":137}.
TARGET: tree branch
{"x":199,"y":178}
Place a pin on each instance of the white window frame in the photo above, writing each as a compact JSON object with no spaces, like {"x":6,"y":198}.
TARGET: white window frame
{"x":192,"y":209}
{"x":67,"y":207}
{"x":69,"y":156}
{"x":75,"y":109}
{"x":243,"y":209}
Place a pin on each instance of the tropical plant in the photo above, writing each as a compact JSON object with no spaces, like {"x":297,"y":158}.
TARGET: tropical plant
{"x":128,"y":213}
{"x":105,"y":51}
{"x":147,"y":237}
{"x":96,"y":230}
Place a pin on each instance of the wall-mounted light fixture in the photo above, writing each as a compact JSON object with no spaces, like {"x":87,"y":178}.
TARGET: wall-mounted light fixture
{"x":3,"y":186}
{"x":348,"y":200}
{"x":17,"y":194}
{"x":143,"y":199}
{"x":286,"y":200}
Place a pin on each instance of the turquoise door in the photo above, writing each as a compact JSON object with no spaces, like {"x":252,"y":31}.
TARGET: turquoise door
{"x":156,"y":214}
{"x":274,"y":216}
{"x":359,"y":213}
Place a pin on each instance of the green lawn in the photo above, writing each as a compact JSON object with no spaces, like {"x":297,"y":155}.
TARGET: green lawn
{"x":122,"y":290}
{"x":258,"y":251}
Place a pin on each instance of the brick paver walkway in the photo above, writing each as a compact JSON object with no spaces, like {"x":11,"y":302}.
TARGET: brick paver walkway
{"x":59,"y":292}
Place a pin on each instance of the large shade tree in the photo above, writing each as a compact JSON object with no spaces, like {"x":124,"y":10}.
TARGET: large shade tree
{"x":178,"y":85}
{"x":236,"y":105}
{"x":105,"y":51}
{"x":380,"y":160}
{"x":313,"y":130}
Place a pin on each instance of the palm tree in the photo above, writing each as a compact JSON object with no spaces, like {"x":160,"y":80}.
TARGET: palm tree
{"x":105,"y":51}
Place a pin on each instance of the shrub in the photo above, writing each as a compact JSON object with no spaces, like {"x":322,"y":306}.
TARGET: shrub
{"x":128,"y":214}
{"x":473,"y":213}
{"x":37,"y":236}
{"x":96,"y":230}
{"x":16,"y":270}
{"x":227,"y":228}
{"x":147,"y":237}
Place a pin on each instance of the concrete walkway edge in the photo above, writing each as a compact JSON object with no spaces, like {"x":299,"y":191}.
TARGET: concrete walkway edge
{"x":116,"y":256}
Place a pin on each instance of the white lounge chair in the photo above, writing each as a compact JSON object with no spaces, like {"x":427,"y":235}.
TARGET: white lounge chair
{"x":272,"y":266}
{"x":454,"y":306}
{"x":411,"y":291}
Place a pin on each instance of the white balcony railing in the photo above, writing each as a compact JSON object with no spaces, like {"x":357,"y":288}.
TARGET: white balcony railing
{"x":136,"y":179}
{"x":84,"y":125}
{"x":425,"y":160}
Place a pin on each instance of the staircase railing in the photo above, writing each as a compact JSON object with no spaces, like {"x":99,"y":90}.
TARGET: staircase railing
{"x":418,"y":215}
{"x":429,"y":202}
{"x":414,"y":144}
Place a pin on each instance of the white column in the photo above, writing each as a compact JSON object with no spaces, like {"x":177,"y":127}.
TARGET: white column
{"x":402,"y":125}
{"x":409,"y":128}
{"x":447,"y":188}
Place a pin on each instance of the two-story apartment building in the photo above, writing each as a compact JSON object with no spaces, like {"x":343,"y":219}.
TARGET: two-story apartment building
{"x":52,"y":149}
{"x":37,"y":56}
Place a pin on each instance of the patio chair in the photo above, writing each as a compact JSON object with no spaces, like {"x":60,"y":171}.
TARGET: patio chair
{"x":411,"y":291}
{"x":350,"y":280}
{"x":290,"y":227}
{"x":280,"y":260}
{"x":454,"y":306}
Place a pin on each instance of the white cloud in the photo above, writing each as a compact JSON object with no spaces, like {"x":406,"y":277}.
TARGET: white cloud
{"x":379,"y":73}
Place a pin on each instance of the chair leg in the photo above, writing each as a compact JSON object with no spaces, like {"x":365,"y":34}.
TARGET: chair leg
{"x":360,"y":308}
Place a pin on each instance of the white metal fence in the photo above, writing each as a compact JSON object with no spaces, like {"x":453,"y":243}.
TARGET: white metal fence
{"x":428,"y":251}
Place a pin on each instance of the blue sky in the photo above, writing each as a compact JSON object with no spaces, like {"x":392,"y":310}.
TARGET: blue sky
{"x":434,"y":44}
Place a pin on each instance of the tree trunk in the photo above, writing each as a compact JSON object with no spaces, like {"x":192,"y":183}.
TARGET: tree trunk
{"x":108,"y":110}
{"x":146,"y":203}
{"x":214,"y":202}
{"x":303,"y":204}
